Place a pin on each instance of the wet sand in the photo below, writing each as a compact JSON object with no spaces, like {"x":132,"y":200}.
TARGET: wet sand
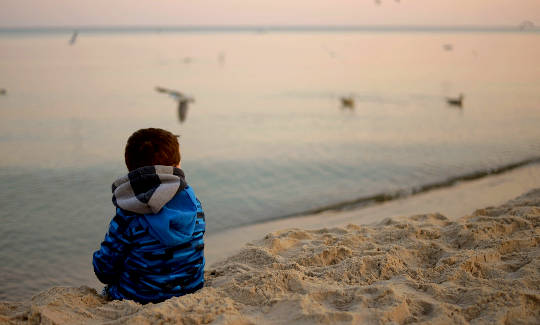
{"x":453,"y":202}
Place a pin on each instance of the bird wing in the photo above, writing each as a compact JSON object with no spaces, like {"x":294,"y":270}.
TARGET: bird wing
{"x":182,"y":110}
{"x":176,"y":94}
{"x":173,"y":93}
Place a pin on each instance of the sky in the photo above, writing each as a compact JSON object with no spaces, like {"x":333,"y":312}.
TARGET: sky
{"x":24,"y":13}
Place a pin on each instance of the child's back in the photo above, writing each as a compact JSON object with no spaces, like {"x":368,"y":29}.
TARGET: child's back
{"x":154,"y":248}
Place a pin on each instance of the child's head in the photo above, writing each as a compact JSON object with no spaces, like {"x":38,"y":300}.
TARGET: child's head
{"x":148,"y":147}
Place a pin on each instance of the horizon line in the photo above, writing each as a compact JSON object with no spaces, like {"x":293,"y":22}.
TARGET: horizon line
{"x":267,"y":28}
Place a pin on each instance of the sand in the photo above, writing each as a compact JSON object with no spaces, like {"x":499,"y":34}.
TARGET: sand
{"x":453,"y":202}
{"x":480,"y":268}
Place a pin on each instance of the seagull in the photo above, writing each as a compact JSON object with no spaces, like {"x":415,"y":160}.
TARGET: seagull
{"x":3,"y":91}
{"x":448,"y":47}
{"x":73,"y":38}
{"x":221,"y":58}
{"x":183,"y":101}
{"x":455,"y":101}
{"x":347,"y":102}
{"x":525,"y":25}
{"x":330,"y":52}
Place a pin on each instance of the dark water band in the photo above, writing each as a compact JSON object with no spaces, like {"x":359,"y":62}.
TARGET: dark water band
{"x":370,"y":200}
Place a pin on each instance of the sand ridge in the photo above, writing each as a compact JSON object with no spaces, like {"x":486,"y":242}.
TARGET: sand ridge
{"x":482,"y":268}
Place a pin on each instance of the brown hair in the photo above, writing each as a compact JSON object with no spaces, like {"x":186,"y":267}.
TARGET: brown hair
{"x":148,"y":147}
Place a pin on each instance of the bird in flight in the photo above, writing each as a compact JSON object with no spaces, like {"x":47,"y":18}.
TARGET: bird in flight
{"x":73,"y":38}
{"x":183,"y":101}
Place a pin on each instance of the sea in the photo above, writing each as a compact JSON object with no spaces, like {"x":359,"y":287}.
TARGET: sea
{"x":267,"y":136}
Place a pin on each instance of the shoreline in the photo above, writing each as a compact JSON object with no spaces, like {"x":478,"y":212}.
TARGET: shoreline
{"x":426,"y":268}
{"x":261,"y":29}
{"x":378,"y":198}
{"x":459,"y":199}
{"x":487,"y":191}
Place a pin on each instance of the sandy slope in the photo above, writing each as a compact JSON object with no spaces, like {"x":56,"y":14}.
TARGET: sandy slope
{"x":482,"y":268}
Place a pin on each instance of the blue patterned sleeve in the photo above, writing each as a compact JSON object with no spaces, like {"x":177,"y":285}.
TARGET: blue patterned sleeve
{"x":108,"y":260}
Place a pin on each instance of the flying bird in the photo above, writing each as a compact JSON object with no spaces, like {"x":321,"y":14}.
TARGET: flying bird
{"x":448,"y":47}
{"x":73,"y":38}
{"x":525,"y":25}
{"x":183,"y":101}
{"x":221,"y":58}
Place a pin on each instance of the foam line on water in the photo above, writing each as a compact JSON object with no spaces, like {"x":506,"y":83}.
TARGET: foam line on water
{"x":402,"y":193}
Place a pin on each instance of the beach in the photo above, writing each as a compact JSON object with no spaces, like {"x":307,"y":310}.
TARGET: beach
{"x":480,"y":268}
{"x":316,"y":212}
{"x":267,"y":142}
{"x":452,"y":201}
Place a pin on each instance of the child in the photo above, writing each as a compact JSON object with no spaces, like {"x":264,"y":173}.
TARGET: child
{"x":154,"y":248}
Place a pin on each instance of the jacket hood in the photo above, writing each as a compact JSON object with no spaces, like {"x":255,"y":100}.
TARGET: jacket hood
{"x":147,"y":189}
{"x":175,"y":223}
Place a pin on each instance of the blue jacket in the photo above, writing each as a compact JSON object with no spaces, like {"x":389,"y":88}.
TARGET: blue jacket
{"x":154,"y":248}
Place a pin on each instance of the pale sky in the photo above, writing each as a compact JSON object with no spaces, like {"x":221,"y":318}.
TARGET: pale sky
{"x":15,"y":13}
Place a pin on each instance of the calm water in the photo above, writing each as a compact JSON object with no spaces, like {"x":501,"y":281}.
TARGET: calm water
{"x":266,"y":136}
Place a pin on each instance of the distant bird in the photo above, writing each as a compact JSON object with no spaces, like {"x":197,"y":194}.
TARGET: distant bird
{"x":379,"y":2}
{"x":455,"y":101}
{"x":448,"y":47}
{"x":347,"y":102}
{"x":73,"y":38}
{"x":3,"y":91}
{"x":183,"y":101}
{"x":329,"y":51}
{"x":526,"y":24}
{"x":221,"y":58}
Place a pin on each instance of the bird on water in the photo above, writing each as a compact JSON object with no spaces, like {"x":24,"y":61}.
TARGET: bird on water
{"x":455,"y":101}
{"x":347,"y":102}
